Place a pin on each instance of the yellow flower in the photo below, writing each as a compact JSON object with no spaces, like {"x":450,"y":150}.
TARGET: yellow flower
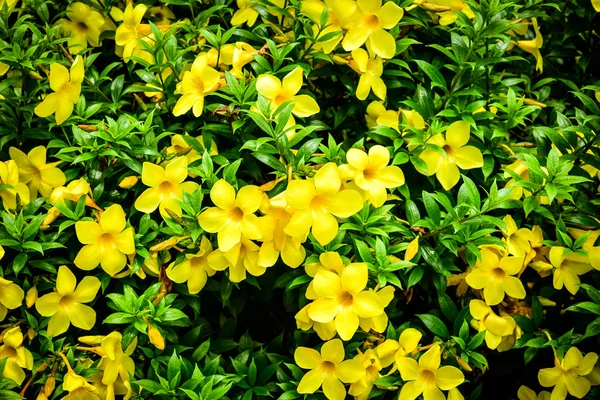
{"x":241,"y":258}
{"x":326,"y":331}
{"x":77,"y":386}
{"x":567,"y":374}
{"x":116,"y":363}
{"x":33,"y":171}
{"x":243,"y":54}
{"x":221,"y":57}
{"x":518,"y":241}
{"x":131,"y":29}
{"x":567,"y":269}
{"x":11,"y":295}
{"x":73,"y":191}
{"x":362,"y":388}
{"x":390,"y":350}
{"x":593,"y":251}
{"x":65,"y":305}
{"x":522,"y":170}
{"x":497,"y":328}
{"x":457,"y":155}
{"x":18,"y":357}
{"x":233,"y":217}
{"x":445,"y":9}
{"x":378,"y":323}
{"x":372,"y":174}
{"x":195,"y":84}
{"x":9,"y":175}
{"x":317,"y":201}
{"x":340,"y":14}
{"x":414,"y":119}
{"x":377,"y":115}
{"x":83,"y":27}
{"x":533,"y":46}
{"x":129,"y":182}
{"x":274,"y":240}
{"x":327,"y":369}
{"x":412,"y":249}
{"x":278,"y":92}
{"x":371,"y":21}
{"x":194,"y":270}
{"x":328,"y":261}
{"x":106,"y":243}
{"x":180,"y":147}
{"x":245,"y":13}
{"x":370,"y":69}
{"x":343,"y":298}
{"x":525,"y":393}
{"x":162,"y":14}
{"x":493,"y":273}
{"x":426,"y":377}
{"x":166,"y":187}
{"x":596,"y":5}
{"x":67,"y":88}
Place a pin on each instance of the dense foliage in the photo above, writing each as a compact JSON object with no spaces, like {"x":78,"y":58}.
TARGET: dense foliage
{"x":299,"y":198}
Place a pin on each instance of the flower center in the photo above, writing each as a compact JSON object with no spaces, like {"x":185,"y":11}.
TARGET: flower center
{"x":371,"y":22}
{"x":449,"y":152}
{"x":105,"y":240}
{"x":328,"y":367}
{"x":369,"y":173}
{"x":498,"y":273}
{"x":345,"y":299}
{"x":82,"y":27}
{"x":67,"y":302}
{"x":236,"y":214}
{"x":427,"y":377}
{"x":280,"y":99}
{"x":166,"y":187}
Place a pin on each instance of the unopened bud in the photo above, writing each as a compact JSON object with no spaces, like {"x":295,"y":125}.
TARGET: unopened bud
{"x":41,"y":396}
{"x":49,"y":385}
{"x":533,"y":102}
{"x":339,"y":60}
{"x":156,"y":338}
{"x":53,"y":213}
{"x":129,"y":182}
{"x":412,"y":249}
{"x":35,"y":75}
{"x":167,"y":244}
{"x":31,"y":297}
{"x":546,"y":302}
{"x":31,"y":333}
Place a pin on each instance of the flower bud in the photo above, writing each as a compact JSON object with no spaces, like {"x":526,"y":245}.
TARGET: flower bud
{"x":156,"y":338}
{"x":412,"y":249}
{"x":41,"y":396}
{"x":167,"y":244}
{"x":31,"y":297}
{"x":129,"y":182}
{"x":35,"y":75}
{"x":31,"y":333}
{"x":53,"y":213}
{"x":49,"y":385}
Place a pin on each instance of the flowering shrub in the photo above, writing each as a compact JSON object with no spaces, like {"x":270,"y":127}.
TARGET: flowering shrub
{"x":299,"y":198}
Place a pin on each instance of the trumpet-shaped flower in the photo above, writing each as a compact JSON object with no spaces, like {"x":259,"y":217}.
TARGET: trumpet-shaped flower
{"x":317,"y":201}
{"x":194,"y":269}
{"x":458,"y":155}
{"x":195,"y":85}
{"x":372,"y":174}
{"x":245,"y":13}
{"x":370,"y":68}
{"x":534,"y":45}
{"x":372,"y":19}
{"x":340,"y":13}
{"x":377,"y":115}
{"x":278,"y":92}
{"x":116,"y":363}
{"x":327,"y":369}
{"x":493,"y":273}
{"x":567,"y":269}
{"x":343,"y":298}
{"x":274,"y":240}
{"x":18,"y":357}
{"x":180,"y":147}
{"x":67,"y":88}
{"x":567,"y":374}
{"x":83,"y":26}
{"x":525,"y":393}
{"x":233,"y":217}
{"x":65,"y":305}
{"x":129,"y":29}
{"x":9,"y":178}
{"x":362,"y":388}
{"x":378,"y":323}
{"x":11,"y":295}
{"x":390,"y":350}
{"x":106,"y":243}
{"x":497,"y":328}
{"x":427,"y":377}
{"x":166,"y":187}
{"x":518,"y":241}
{"x":33,"y":171}
{"x":326,"y":331}
{"x":328,"y":261}
{"x":77,"y":386}
{"x":241,"y":258}
{"x":446,"y":9}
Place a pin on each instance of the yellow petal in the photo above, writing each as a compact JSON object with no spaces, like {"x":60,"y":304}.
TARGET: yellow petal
{"x":323,"y":309}
{"x":354,"y":277}
{"x":113,"y":261}
{"x":65,"y":281}
{"x":433,"y":160}
{"x":11,"y":296}
{"x":513,"y":287}
{"x":307,"y":358}
{"x":82,"y":316}
{"x":355,"y":37}
{"x":59,"y":323}
{"x":48,"y":106}
{"x":87,"y":289}
{"x":478,"y":278}
{"x":448,"y":174}
{"x":493,"y":292}
{"x":468,"y":157}
{"x":333,"y":351}
{"x":148,"y":201}
{"x":176,"y":171}
{"x":213,"y":219}
{"x":346,"y":323}
{"x":112,"y":219}
{"x":448,"y":377}
{"x":350,"y":371}
{"x":325,"y":228}
{"x":345,"y":203}
{"x":549,"y":377}
{"x":367,"y":304}
{"x":357,"y":158}
{"x":389,"y":15}
{"x":305,"y":106}
{"x":268,"y":86}
{"x":249,"y":199}
{"x":431,"y":359}
{"x":59,"y":76}
{"x":382,"y":43}
{"x":63,"y":111}
{"x":310,"y":382}
{"x":152,"y":175}
{"x":292,"y":82}
{"x":327,"y":284}
{"x":88,"y":257}
{"x":300,"y":193}
{"x":327,"y":179}
{"x":48,"y":304}
{"x":409,"y":369}
{"x":222,"y":195}
{"x":458,"y":134}
{"x":409,"y":339}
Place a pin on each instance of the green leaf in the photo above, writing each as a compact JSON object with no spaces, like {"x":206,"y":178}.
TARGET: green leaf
{"x":437,"y":79}
{"x":434,"y":324}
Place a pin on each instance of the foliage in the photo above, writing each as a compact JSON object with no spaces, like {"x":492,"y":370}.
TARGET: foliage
{"x":299,"y":198}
